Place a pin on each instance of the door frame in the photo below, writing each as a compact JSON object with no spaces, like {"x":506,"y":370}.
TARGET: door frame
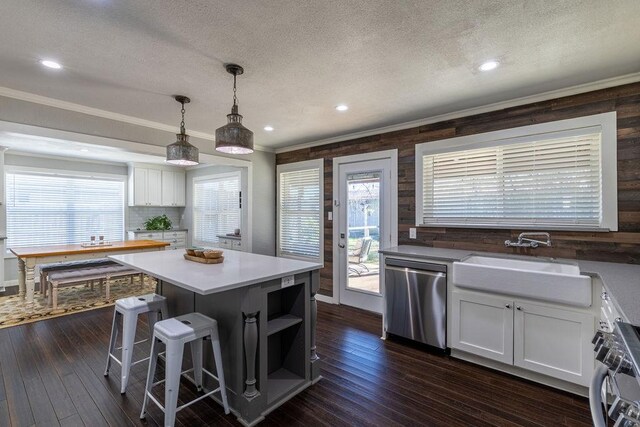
{"x":393,"y":191}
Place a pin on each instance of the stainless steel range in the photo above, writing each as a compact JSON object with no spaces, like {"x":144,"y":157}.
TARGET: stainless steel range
{"x":619,"y":371}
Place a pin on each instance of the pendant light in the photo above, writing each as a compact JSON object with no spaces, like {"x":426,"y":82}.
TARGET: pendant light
{"x":181,"y":153}
{"x":234,"y":138}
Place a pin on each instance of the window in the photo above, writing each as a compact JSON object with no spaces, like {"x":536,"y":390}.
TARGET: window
{"x":300,"y":198}
{"x":217,"y":207}
{"x":559,"y":175}
{"x":60,"y":208}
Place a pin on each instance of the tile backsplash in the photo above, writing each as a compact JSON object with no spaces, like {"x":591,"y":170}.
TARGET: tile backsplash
{"x":139,"y":214}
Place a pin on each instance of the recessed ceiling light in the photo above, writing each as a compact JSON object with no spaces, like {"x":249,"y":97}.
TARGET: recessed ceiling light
{"x":50,"y":64}
{"x":268,"y":128}
{"x":342,"y":107}
{"x":84,"y":150}
{"x":489,"y":65}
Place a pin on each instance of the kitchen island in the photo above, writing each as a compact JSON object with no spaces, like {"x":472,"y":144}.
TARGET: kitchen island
{"x":266,"y":312}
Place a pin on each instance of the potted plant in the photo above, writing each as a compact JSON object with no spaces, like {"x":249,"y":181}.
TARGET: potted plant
{"x":161,"y":222}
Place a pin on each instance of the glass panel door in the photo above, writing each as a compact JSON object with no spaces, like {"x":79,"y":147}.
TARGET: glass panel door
{"x":363,"y":201}
{"x":363,"y":229}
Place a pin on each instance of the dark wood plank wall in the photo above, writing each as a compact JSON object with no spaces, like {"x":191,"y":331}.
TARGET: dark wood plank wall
{"x":622,"y":246}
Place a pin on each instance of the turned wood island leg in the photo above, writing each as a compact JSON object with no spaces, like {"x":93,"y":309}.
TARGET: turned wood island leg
{"x":250,"y":349}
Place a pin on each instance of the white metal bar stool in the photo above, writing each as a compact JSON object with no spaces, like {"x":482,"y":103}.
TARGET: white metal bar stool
{"x":125,"y":317}
{"x":190,"y":328}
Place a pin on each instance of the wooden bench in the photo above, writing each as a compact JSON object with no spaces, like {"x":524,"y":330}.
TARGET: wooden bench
{"x":103,"y":274}
{"x":45,"y":269}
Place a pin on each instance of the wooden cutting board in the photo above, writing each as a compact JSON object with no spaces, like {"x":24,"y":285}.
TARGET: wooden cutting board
{"x":204,"y":260}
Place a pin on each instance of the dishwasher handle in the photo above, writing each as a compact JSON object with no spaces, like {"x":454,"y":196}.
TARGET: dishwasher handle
{"x":414,"y":265}
{"x":421,"y":272}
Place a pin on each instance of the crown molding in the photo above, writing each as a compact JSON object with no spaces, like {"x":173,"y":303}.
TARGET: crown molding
{"x":545,"y":96}
{"x":127,"y":146}
{"x":77,"y":108}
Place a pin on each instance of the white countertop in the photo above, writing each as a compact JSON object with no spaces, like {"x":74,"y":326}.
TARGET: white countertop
{"x":227,"y":236}
{"x":238,"y":269}
{"x":157,"y":231}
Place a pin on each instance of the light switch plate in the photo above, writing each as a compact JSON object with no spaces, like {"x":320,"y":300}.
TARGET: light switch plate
{"x":330,"y":216}
{"x":412,"y":233}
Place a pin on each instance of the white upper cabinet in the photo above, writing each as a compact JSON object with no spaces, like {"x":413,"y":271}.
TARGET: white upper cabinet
{"x":138,"y":187}
{"x":149,"y":186}
{"x":173,"y":188}
{"x":180,"y":189}
{"x":168,"y":188}
{"x":154,"y":187}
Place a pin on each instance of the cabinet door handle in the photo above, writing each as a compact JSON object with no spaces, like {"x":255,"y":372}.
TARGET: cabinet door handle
{"x":518,"y":308}
{"x":507,"y":306}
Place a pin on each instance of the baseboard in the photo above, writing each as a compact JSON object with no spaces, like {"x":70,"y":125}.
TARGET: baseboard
{"x":325,"y":298}
{"x":9,"y":287}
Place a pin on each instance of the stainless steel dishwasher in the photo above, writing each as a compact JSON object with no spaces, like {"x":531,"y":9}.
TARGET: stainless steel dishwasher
{"x":416,"y":301}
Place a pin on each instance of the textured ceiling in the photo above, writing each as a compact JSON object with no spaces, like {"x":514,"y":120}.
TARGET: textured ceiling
{"x":391,"y":61}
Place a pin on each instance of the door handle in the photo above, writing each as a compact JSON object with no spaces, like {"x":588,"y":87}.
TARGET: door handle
{"x":341,"y":245}
{"x":518,"y":308}
{"x":507,"y":305}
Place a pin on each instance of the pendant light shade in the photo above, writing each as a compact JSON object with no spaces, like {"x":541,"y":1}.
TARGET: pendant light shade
{"x":234,"y":138}
{"x":181,"y":153}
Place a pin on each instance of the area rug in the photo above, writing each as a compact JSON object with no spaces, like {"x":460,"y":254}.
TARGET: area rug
{"x":73,"y":299}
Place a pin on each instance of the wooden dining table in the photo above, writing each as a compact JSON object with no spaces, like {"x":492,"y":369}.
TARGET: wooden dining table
{"x":29,"y":257}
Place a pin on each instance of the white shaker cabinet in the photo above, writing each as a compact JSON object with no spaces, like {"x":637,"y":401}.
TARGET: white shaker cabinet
{"x":153,"y":186}
{"x":483,"y":325}
{"x":230,"y":242}
{"x":180,"y":189}
{"x":145,"y":187}
{"x":547,"y":339}
{"x":173,"y":188}
{"x":554,"y":342}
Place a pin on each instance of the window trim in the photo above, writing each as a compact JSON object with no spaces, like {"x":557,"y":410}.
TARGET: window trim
{"x":293,"y":167}
{"x":605,"y":123}
{"x":193,"y":202}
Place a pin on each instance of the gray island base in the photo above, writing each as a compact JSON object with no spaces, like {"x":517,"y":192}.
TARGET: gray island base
{"x":266,"y":313}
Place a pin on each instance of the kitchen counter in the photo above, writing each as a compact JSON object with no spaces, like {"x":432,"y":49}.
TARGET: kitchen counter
{"x":229,"y":236}
{"x":239,"y":269}
{"x":622,"y":281}
{"x":140,"y":230}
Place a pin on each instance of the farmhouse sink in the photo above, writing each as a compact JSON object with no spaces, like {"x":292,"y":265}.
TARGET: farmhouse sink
{"x":538,"y":279}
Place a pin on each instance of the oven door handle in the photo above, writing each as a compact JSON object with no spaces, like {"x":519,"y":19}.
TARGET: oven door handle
{"x":595,"y":395}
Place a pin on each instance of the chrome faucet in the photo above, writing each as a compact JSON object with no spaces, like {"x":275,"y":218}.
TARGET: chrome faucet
{"x":525,"y":240}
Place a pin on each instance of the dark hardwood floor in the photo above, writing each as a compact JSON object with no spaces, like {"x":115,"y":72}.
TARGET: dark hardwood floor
{"x":52,"y":374}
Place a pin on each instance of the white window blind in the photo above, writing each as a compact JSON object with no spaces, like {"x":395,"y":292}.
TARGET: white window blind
{"x":300,"y":210}
{"x":52,"y":209}
{"x":549,"y":182}
{"x":217,"y":207}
